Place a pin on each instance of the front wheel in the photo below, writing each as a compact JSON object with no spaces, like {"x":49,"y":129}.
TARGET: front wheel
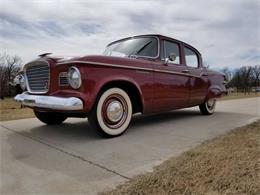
{"x":208,"y":107}
{"x":112,"y":113}
{"x":50,"y":118}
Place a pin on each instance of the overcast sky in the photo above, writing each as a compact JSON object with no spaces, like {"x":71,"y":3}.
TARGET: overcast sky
{"x":226,"y":32}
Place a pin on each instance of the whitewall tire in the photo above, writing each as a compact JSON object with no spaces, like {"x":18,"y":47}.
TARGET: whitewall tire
{"x":112,"y":113}
{"x":208,"y":107}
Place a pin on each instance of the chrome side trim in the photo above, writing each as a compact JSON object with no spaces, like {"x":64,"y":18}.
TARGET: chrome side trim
{"x":142,"y":72}
{"x":50,"y":102}
{"x":129,"y":67}
{"x":106,"y":64}
{"x":176,"y":73}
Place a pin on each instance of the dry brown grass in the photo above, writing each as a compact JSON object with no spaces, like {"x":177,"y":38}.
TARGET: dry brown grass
{"x":11,"y":110}
{"x":228,"y":164}
{"x":239,"y":96}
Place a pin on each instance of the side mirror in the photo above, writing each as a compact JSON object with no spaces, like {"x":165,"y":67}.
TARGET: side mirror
{"x":172,"y":57}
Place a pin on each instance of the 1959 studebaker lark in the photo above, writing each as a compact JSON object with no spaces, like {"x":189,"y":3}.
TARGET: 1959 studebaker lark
{"x":141,"y":74}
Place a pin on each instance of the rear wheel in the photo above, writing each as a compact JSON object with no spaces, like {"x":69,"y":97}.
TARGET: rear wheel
{"x":208,"y":107}
{"x":112,"y":113}
{"x":50,"y":118}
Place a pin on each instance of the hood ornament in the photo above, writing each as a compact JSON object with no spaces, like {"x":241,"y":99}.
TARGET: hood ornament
{"x":44,"y":54}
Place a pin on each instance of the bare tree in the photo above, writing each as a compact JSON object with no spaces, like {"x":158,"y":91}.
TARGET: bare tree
{"x":256,"y":75}
{"x":235,"y":81}
{"x":9,"y":67}
{"x":245,"y":78}
{"x":3,"y":82}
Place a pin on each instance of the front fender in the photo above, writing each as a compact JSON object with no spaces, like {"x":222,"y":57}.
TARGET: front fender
{"x":99,"y":85}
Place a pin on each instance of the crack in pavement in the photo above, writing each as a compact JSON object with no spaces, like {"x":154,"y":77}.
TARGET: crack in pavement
{"x":68,"y":153}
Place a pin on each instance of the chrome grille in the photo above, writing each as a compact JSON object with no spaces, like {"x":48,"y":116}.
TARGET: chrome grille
{"x":37,"y":74}
{"x":63,"y":79}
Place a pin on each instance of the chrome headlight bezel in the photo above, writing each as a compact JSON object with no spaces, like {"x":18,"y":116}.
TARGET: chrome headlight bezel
{"x":22,"y":82}
{"x":74,"y":77}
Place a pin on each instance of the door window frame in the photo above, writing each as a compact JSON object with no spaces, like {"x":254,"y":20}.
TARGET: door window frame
{"x":196,"y":53}
{"x":163,"y":58}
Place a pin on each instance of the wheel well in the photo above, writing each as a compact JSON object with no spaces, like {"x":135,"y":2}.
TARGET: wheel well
{"x":131,"y":90}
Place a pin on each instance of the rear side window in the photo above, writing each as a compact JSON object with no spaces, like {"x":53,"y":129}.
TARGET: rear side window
{"x":191,"y":58}
{"x":169,"y":48}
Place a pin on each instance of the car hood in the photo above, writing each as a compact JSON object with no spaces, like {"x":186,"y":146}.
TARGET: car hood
{"x":103,"y":59}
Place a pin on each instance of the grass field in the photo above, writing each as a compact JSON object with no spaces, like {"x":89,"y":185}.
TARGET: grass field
{"x":11,"y":110}
{"x":239,"y":96}
{"x":228,"y":164}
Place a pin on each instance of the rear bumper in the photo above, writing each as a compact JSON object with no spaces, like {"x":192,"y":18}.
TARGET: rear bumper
{"x":50,"y":102}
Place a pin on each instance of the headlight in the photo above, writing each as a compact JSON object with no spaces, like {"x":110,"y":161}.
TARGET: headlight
{"x":22,"y":81}
{"x":74,"y":77}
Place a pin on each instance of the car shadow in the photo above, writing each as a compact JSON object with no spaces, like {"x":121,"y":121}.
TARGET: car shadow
{"x":81,"y":130}
{"x":75,"y":132}
{"x":140,"y":120}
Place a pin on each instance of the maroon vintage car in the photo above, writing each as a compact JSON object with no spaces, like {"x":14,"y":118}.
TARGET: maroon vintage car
{"x":141,"y":74}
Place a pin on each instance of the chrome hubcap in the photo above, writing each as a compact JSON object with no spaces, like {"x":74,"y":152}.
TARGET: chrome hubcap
{"x":211,"y":104}
{"x":115,"y":111}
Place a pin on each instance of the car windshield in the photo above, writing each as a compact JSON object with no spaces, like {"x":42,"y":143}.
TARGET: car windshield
{"x":137,"y":46}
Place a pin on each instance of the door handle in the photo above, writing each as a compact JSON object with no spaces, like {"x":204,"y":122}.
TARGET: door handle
{"x":185,"y":71}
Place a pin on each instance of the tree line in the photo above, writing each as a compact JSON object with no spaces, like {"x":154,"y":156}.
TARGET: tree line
{"x":243,"y":79}
{"x":9,"y":68}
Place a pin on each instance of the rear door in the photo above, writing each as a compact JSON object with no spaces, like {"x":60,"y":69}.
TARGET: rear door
{"x":198,"y":76}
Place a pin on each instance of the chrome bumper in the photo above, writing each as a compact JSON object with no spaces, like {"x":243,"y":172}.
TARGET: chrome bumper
{"x":51,"y":102}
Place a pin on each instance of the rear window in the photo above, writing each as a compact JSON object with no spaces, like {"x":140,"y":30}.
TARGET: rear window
{"x":191,"y":58}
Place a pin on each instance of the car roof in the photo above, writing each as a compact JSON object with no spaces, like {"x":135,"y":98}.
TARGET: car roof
{"x":158,"y":36}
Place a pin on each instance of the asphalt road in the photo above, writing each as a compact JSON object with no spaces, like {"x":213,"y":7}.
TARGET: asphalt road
{"x":71,"y":159}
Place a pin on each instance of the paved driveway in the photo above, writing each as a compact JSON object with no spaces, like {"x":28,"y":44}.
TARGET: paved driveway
{"x":71,"y":159}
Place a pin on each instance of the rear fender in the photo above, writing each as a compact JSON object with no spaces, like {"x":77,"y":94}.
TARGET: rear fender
{"x":214,"y":91}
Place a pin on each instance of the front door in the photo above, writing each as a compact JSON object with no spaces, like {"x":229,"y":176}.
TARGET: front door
{"x":171,"y":89}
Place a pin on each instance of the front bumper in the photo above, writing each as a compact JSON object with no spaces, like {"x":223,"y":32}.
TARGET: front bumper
{"x":50,"y":102}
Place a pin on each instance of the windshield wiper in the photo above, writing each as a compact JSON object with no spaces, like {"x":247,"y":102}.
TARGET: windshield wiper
{"x":134,"y":54}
